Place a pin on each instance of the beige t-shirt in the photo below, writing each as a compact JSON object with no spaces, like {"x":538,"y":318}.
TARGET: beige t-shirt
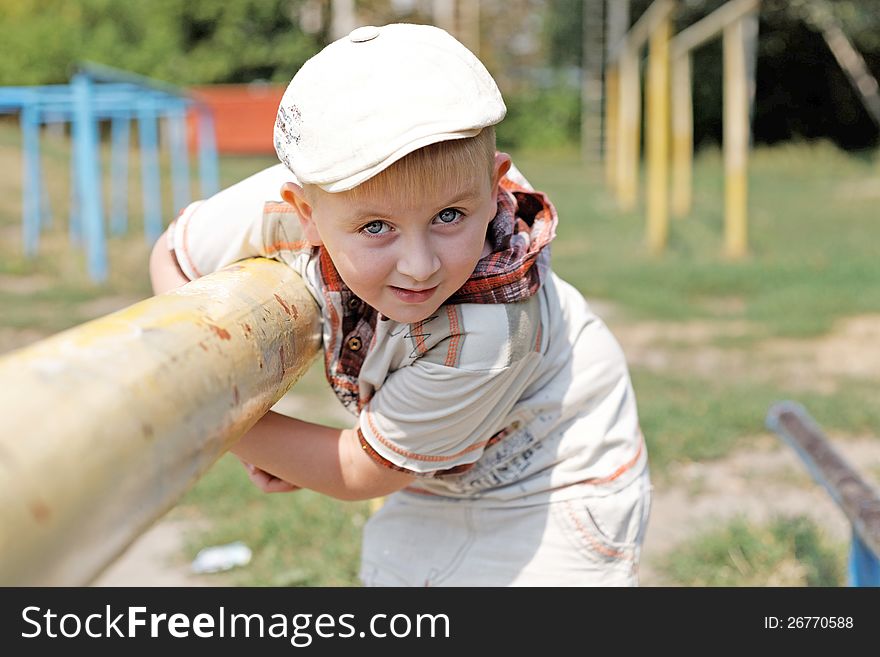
{"x":524,"y":401}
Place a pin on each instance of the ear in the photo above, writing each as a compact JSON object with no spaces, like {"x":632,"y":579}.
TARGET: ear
{"x":294,"y":196}
{"x":500,"y":168}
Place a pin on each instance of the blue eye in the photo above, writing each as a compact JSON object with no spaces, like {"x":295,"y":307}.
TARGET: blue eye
{"x":448,"y":216}
{"x":375,"y":228}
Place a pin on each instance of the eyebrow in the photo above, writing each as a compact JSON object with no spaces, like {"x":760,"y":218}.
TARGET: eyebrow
{"x":380,"y":215}
{"x":466,"y":195}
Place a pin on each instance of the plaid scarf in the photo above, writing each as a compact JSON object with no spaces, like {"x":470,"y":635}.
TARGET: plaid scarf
{"x":524,"y":225}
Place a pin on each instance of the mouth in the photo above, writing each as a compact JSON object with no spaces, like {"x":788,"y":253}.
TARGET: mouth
{"x":413,"y":296}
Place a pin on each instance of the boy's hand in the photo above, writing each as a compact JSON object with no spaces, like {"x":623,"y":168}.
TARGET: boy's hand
{"x":268,"y":483}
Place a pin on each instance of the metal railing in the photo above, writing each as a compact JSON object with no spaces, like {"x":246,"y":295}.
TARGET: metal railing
{"x":105,"y":426}
{"x":858,"y":500}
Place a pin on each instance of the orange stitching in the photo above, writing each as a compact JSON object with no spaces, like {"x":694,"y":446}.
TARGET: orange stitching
{"x":585,"y":532}
{"x":419,"y":457}
{"x":452,"y":353}
{"x":419,"y":337}
{"x":377,"y":457}
{"x":623,"y":468}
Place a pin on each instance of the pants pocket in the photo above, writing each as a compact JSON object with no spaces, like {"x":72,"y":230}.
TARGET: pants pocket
{"x":607,"y":528}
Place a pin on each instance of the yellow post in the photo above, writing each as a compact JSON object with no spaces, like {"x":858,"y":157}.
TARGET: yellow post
{"x":657,"y":143}
{"x":682,"y":135}
{"x":736,"y":140}
{"x":612,"y":123}
{"x":103,"y":427}
{"x":629,"y":125}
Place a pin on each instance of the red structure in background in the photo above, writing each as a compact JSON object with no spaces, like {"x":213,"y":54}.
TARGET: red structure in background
{"x":244,"y":116}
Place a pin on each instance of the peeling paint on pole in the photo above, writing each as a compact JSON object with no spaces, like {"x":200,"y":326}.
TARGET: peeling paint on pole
{"x":104,"y":427}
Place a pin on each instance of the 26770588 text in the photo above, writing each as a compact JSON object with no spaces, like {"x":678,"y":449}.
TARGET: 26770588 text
{"x":808,"y":622}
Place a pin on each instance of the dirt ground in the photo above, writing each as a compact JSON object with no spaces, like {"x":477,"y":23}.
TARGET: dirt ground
{"x":768,"y":479}
{"x":764,"y":481}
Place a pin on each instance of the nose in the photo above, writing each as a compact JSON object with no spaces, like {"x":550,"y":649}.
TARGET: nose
{"x":418,"y":260}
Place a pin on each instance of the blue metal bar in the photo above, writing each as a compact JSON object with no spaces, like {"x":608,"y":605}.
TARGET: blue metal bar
{"x":109,"y":75}
{"x":105,"y":108}
{"x":152,"y":193}
{"x":45,"y":202}
{"x":209,"y":176}
{"x":106,"y":97}
{"x":89,"y":178}
{"x":74,"y":221}
{"x":864,"y":566}
{"x":179,"y":158}
{"x":852,"y":494}
{"x":120,"y":137}
{"x":30,"y":138}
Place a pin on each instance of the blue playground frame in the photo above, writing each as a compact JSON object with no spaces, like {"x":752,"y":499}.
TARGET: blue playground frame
{"x":99,"y":93}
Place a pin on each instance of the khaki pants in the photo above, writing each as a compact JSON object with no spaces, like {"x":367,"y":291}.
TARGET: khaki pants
{"x":587,"y":541}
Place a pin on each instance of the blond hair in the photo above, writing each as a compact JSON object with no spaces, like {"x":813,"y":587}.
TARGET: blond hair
{"x":455,"y":161}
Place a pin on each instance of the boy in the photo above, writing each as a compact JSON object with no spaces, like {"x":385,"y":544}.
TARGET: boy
{"x":494,"y":409}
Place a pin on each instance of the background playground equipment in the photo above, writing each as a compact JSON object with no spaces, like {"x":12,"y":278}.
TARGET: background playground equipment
{"x":93,"y":453}
{"x":669,"y":69}
{"x":623,"y":100}
{"x":98,"y":94}
{"x":737,"y":23}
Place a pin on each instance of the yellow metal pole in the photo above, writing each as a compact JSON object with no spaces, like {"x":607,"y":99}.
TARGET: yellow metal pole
{"x":682,"y":136}
{"x":629,"y":123}
{"x":103,"y":427}
{"x":612,"y":123}
{"x":657,"y":145}
{"x":736,"y":140}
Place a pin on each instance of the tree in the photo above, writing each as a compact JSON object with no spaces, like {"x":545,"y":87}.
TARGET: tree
{"x":178,"y":41}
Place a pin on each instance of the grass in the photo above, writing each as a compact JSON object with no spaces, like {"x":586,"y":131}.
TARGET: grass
{"x":301,"y":539}
{"x":691,"y":419}
{"x":810,"y":262}
{"x":784,"y":552}
{"x":813,"y":261}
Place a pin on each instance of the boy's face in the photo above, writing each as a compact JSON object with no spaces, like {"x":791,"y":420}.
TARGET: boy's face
{"x":404,"y":259}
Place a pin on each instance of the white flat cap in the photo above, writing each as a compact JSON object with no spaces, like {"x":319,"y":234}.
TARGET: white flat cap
{"x":376,"y":95}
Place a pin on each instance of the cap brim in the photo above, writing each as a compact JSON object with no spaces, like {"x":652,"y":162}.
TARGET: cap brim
{"x":349,"y":182}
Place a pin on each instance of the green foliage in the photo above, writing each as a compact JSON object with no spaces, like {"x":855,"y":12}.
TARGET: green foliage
{"x":563,"y":32}
{"x":801,"y":90}
{"x":541,"y":118}
{"x":178,"y":41}
{"x":785,"y":552}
